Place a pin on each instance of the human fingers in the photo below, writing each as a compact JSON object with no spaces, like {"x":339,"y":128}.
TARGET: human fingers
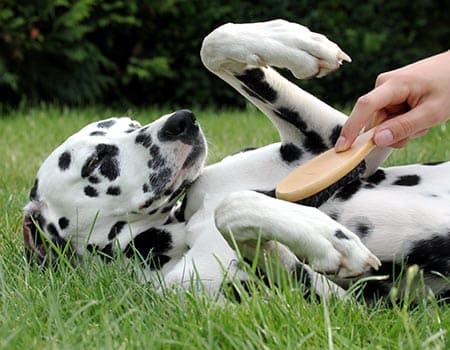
{"x":404,"y":142}
{"x":365,"y":109}
{"x":420,"y":134}
{"x":400,"y":144}
{"x":411,"y":124}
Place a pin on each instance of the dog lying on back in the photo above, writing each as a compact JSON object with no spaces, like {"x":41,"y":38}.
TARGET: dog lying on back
{"x":114,"y":187}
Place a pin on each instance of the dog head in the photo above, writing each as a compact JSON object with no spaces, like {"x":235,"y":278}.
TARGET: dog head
{"x":109,"y":175}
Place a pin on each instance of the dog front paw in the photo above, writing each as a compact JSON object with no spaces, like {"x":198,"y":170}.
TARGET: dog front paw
{"x":346,"y":257}
{"x":276,"y":43}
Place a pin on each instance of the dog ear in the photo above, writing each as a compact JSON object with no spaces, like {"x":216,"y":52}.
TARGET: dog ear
{"x":32,"y":235}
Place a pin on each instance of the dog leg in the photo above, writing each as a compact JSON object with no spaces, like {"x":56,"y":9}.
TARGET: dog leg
{"x":241,"y":54}
{"x":310,"y":234}
{"x":274,"y":256}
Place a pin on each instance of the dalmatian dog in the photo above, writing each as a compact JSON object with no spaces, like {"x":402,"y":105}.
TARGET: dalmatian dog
{"x":116,"y":188}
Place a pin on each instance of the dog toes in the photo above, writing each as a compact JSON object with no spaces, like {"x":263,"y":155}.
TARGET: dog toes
{"x":348,"y":270}
{"x":345,"y":258}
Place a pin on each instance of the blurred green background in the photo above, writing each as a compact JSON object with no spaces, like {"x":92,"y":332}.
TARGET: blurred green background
{"x":145,"y":52}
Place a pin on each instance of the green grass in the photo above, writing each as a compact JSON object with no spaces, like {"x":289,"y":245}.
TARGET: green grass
{"x":102,"y":306}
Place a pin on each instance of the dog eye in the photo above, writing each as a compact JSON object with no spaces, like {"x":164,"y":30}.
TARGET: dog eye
{"x":92,"y":163}
{"x":95,"y":162}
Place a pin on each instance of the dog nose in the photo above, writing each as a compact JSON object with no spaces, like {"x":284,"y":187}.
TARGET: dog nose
{"x":180,"y":126}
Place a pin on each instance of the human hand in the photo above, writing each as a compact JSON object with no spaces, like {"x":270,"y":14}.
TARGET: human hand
{"x":404,"y":104}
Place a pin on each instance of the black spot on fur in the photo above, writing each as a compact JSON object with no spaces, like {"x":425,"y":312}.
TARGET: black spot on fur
{"x":91,"y":248}
{"x":254,"y":80}
{"x":166,"y":209}
{"x":159,"y":180}
{"x":113,"y":190}
{"x":147,"y":204}
{"x":432,"y":254}
{"x":341,"y":235}
{"x":106,"y":124}
{"x":152,"y":212}
{"x":104,"y":158}
{"x":52,"y":230}
{"x":335,"y":134}
{"x":145,"y":188}
{"x":97,"y":133}
{"x":90,"y":191}
{"x":64,"y":160}
{"x":252,"y":94}
{"x":407,"y":180}
{"x":377,"y":177}
{"x":89,"y":166}
{"x":292,"y":117}
{"x":110,"y":168}
{"x":106,"y":253}
{"x":362,"y":229}
{"x":154,"y":151}
{"x":313,"y":141}
{"x":144,"y":139}
{"x":349,"y":190}
{"x":55,"y":237}
{"x":156,"y":161}
{"x":93,"y":179}
{"x":115,"y":229}
{"x":151,"y":245}
{"x":33,"y":192}
{"x":290,"y":152}
{"x":63,"y":222}
{"x":107,"y":150}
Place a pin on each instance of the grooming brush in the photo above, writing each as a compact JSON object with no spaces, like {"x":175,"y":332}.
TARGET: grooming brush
{"x":317,"y":180}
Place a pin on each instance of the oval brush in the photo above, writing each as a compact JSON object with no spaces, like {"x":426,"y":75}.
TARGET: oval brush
{"x":315,"y":181}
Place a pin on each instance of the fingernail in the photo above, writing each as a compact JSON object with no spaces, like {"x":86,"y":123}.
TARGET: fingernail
{"x":340,"y":144}
{"x":384,"y":138}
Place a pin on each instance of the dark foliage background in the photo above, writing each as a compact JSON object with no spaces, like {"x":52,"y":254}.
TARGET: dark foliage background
{"x":146,"y":51}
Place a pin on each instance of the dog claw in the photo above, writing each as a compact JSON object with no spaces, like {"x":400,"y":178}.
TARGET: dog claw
{"x":342,"y":56}
{"x":374,"y":262}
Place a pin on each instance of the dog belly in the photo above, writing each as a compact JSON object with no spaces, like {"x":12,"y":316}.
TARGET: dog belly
{"x":390,"y":222}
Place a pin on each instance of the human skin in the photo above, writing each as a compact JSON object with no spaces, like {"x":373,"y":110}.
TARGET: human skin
{"x":404,"y":104}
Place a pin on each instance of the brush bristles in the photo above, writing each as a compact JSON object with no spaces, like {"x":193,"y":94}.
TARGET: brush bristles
{"x":321,"y":197}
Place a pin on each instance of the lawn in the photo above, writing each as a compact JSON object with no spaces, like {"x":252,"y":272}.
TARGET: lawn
{"x":101,"y":306}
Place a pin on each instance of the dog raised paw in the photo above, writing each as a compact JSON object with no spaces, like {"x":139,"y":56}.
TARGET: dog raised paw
{"x":276,"y":43}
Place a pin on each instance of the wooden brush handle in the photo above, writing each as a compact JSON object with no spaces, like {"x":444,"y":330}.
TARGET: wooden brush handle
{"x":324,"y":170}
